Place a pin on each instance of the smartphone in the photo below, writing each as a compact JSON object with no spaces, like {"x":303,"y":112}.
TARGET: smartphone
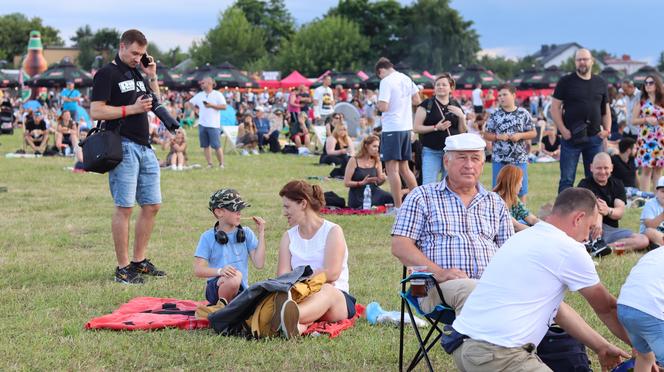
{"x":145,"y":60}
{"x":205,"y":102}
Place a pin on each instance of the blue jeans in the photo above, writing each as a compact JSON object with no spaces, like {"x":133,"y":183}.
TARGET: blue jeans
{"x":136,"y":178}
{"x":644,"y":330}
{"x":496,"y":167}
{"x":569,"y":159}
{"x":432,"y":165}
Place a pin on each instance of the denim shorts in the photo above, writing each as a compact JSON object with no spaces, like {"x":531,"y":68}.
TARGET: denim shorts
{"x":209,"y":137}
{"x":136,"y":178}
{"x":396,"y":146}
{"x":644,"y":330}
{"x":350,"y":304}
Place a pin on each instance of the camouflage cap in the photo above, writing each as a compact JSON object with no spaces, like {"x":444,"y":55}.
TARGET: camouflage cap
{"x":228,"y":199}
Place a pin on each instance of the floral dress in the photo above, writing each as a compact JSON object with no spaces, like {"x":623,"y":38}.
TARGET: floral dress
{"x":650,"y":143}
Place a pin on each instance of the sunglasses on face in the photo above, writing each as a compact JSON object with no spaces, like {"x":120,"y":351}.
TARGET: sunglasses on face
{"x":649,"y":82}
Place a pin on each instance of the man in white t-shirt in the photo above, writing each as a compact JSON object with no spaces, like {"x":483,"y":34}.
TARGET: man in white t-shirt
{"x":323,"y":101}
{"x":476,"y":95}
{"x":521,"y":291}
{"x":641,"y":309}
{"x":652,"y":216}
{"x":209,"y":103}
{"x":396,"y":98}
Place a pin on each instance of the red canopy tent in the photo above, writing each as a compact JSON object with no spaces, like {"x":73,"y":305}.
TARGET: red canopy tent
{"x":270,"y":84}
{"x":293,"y":80}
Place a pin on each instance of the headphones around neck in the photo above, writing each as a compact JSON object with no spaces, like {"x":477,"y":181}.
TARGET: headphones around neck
{"x":221,"y":237}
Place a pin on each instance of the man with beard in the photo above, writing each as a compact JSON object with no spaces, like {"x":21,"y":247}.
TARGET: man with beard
{"x":580,"y":109}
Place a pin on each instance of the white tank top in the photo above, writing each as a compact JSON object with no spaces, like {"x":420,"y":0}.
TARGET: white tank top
{"x":312,"y":252}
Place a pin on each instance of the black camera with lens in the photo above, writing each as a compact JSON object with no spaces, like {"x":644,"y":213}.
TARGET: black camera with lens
{"x":162,"y":113}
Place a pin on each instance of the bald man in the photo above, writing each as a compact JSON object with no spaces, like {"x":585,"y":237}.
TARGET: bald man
{"x":580,"y":109}
{"x":610,"y":193}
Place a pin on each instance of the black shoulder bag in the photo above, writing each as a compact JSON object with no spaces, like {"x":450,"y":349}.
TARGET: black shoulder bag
{"x":102,"y":149}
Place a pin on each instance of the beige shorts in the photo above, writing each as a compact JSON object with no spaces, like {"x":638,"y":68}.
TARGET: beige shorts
{"x":480,"y":356}
{"x":454,"y":291}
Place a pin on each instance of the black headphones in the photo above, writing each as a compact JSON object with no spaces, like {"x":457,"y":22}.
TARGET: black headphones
{"x":221,"y":237}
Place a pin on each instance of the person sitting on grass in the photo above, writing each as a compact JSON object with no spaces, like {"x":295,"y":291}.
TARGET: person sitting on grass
{"x":366,"y":169}
{"x":223,"y":251}
{"x":652,"y":216}
{"x":247,"y":135}
{"x":299,"y":131}
{"x":178,"y":154}
{"x":319,"y":243}
{"x":66,"y":133}
{"x":641,"y":309}
{"x":78,"y":150}
{"x":550,"y":145}
{"x":507,"y":186}
{"x":35,"y":133}
{"x":624,"y":169}
{"x":337,"y":150}
{"x":611,"y":200}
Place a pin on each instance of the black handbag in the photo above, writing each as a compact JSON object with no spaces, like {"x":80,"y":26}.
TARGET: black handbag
{"x":102,"y":149}
{"x":563,"y":353}
{"x":579,"y":134}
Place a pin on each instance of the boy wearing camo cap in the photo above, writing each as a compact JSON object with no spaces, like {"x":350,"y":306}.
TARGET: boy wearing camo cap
{"x":224,"y":250}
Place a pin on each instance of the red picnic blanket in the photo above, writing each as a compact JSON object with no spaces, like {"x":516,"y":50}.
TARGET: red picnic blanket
{"x":149,"y":313}
{"x":144,"y":313}
{"x":333,"y":329}
{"x":350,"y":211}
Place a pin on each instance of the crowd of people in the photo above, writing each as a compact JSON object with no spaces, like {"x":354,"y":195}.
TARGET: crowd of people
{"x":448,"y":221}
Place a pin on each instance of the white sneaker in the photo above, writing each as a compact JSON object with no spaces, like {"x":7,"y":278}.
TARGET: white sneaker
{"x":221,"y":166}
{"x":180,"y":167}
{"x":245,"y":152}
{"x":174,"y":167}
{"x":254,"y":151}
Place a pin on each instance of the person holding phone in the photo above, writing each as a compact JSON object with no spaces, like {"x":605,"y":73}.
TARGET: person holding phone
{"x":209,"y":103}
{"x":119,"y":97}
{"x":436,"y":118}
{"x":366,"y":169}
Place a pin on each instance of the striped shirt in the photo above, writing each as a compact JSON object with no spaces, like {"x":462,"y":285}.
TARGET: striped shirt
{"x":448,"y":233}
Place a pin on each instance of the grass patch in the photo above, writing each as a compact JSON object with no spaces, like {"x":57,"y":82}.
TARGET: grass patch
{"x":57,"y":262}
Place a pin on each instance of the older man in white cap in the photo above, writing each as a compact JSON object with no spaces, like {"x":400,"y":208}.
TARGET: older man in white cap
{"x":455,"y":226}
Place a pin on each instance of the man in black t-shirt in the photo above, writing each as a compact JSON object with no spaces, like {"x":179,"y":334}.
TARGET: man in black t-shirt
{"x":118,"y":97}
{"x":580,"y":109}
{"x":35,"y":132}
{"x":624,"y":168}
{"x":611,"y":200}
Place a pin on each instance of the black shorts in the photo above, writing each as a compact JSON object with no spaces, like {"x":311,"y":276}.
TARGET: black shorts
{"x":396,"y":146}
{"x":350,"y":304}
{"x":212,"y":291}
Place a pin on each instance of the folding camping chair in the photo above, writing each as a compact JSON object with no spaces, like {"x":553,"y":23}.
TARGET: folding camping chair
{"x":441,"y":314}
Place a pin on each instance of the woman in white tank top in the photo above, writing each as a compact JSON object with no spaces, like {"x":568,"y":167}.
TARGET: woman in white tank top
{"x":319,"y":243}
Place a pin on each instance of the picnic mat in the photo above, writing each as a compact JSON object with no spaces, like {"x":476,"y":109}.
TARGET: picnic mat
{"x":145,"y":313}
{"x":150,"y":313}
{"x":381,"y":209}
{"x":333,"y":329}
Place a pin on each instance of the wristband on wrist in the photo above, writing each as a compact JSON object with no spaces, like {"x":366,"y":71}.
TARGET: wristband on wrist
{"x":124,"y":111}
{"x":219,"y":271}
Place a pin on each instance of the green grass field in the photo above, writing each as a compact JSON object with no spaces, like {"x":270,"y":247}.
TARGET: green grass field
{"x":57,"y":262}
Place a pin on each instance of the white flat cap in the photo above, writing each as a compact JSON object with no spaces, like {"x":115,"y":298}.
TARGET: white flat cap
{"x":464,"y":142}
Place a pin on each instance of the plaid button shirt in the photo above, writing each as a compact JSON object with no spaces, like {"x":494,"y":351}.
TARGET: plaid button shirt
{"x":448,"y":233}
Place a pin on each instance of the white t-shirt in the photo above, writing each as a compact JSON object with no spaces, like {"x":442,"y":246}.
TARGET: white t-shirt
{"x":208,"y":117}
{"x":519,"y":293}
{"x":477,"y":97}
{"x":312,"y":252}
{"x":644,"y":287}
{"x":651,"y":209}
{"x":324,"y":98}
{"x":397,"y":90}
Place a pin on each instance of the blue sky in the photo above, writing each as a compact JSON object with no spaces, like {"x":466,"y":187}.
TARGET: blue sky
{"x":512,"y":28}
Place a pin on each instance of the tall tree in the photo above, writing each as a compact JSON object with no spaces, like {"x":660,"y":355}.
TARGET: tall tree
{"x":660,"y":62}
{"x":270,"y":16}
{"x":381,"y":21}
{"x":438,"y":37}
{"x":330,"y":43}
{"x":234,"y":39}
{"x":15,"y":32}
{"x":103,"y":42}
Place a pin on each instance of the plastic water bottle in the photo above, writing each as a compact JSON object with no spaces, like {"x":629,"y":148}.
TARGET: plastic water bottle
{"x":366,"y":203}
